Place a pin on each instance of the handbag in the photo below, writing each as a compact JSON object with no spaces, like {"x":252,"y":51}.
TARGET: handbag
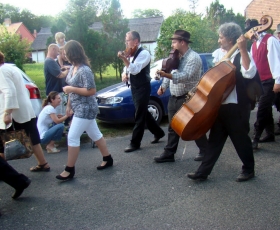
{"x":14,"y":149}
{"x":17,"y":145}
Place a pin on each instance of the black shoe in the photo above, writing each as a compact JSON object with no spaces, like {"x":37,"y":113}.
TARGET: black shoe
{"x":71,"y":171}
{"x":268,"y":138}
{"x":19,"y":191}
{"x":197,"y":177}
{"x":199,"y":157}
{"x":255,"y":144}
{"x":130,"y":148}
{"x":109,"y":163}
{"x":156,"y":139}
{"x":165,"y":157}
{"x":245,"y":176}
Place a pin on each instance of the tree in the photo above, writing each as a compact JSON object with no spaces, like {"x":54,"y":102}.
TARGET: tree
{"x":204,"y":40}
{"x":98,"y":52}
{"x":84,"y":10}
{"x":14,"y":49}
{"x":9,"y":11}
{"x":138,"y":13}
{"x":2,"y":11}
{"x":31,"y":21}
{"x":58,"y":26}
{"x":217,"y":14}
{"x":193,"y":5}
{"x":80,"y":14}
{"x":116,"y":27}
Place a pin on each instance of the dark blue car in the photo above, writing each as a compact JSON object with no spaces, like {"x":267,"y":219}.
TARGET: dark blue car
{"x":116,"y":105}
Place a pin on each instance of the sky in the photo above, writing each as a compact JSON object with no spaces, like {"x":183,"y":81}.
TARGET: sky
{"x":53,"y":7}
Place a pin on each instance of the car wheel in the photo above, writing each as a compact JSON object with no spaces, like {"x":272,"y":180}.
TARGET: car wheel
{"x":155,"y":109}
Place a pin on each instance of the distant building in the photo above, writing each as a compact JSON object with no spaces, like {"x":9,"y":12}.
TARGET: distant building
{"x":148,"y":28}
{"x":258,"y":8}
{"x":39,"y":46}
{"x":18,"y":28}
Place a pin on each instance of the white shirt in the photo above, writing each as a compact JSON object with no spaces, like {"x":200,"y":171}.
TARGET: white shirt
{"x":142,"y":60}
{"x":250,"y":73}
{"x":273,"y":55}
{"x":14,"y":95}
{"x":45,"y":120}
{"x":218,"y":54}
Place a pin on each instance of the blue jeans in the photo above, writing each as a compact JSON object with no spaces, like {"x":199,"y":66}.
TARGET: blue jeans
{"x":53,"y":134}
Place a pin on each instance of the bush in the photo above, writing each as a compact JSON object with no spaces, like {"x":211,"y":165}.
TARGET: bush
{"x":13,"y":47}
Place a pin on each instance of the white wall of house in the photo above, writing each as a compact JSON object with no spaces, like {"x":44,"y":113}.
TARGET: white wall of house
{"x":38,"y":56}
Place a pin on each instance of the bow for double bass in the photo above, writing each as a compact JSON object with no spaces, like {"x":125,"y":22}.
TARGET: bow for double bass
{"x":199,"y":112}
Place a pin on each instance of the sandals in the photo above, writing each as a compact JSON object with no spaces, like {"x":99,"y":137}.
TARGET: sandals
{"x":40,"y":168}
{"x":53,"y":150}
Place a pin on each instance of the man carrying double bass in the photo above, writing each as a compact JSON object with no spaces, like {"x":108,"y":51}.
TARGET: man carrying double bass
{"x":234,"y":113}
{"x":180,"y":82}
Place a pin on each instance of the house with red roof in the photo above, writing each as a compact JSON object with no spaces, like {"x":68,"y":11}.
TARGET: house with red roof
{"x":18,"y":28}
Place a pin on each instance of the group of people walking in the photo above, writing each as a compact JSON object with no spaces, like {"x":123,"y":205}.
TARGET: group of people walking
{"x":232,"y":119}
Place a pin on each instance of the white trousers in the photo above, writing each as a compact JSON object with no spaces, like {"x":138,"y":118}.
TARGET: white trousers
{"x":78,"y":126}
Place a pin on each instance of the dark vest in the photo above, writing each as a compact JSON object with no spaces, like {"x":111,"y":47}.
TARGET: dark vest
{"x":143,"y":76}
{"x":248,"y":90}
{"x":260,"y":58}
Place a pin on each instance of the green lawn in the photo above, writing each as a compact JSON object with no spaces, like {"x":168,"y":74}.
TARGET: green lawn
{"x":36,"y":73}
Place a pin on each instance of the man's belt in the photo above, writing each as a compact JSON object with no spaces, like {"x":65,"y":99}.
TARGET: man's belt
{"x":179,"y":97}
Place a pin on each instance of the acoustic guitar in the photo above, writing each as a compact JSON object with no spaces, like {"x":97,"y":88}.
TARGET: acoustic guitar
{"x":197,"y":115}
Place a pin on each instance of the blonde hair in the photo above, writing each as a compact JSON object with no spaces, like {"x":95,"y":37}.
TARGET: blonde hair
{"x":51,"y":46}
{"x":58,"y":36}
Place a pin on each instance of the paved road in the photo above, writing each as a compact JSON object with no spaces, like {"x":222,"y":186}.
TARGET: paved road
{"x":139,"y":194}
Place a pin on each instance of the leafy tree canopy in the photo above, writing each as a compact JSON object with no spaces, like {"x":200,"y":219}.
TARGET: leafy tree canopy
{"x":31,"y":21}
{"x":204,"y":40}
{"x":115,"y":26}
{"x":146,"y":13}
{"x":217,"y":14}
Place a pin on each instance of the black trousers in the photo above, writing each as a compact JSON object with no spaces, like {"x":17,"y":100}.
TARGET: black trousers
{"x":174,"y":104}
{"x":232,"y":121}
{"x":264,"y":114}
{"x":10,"y":176}
{"x":141,"y":97}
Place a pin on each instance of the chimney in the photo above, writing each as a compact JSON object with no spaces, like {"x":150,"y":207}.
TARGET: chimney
{"x":7,"y":22}
{"x":35,"y":33}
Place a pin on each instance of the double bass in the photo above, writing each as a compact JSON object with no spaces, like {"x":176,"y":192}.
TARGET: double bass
{"x":197,"y":115}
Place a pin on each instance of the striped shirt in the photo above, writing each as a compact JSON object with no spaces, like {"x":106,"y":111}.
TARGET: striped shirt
{"x":186,"y":76}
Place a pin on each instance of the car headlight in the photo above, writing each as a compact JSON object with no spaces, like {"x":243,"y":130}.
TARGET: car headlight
{"x":113,"y":100}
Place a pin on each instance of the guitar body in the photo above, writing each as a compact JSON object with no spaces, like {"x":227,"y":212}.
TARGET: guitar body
{"x":197,"y":115}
